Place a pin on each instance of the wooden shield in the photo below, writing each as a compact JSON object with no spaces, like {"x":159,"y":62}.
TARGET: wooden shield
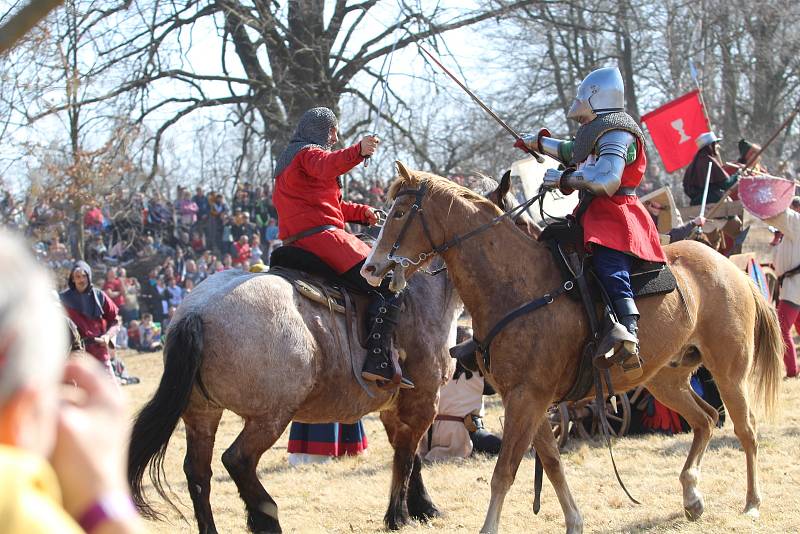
{"x":765,"y":196}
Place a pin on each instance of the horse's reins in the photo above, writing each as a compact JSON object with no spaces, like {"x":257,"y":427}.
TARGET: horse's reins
{"x":416,"y":208}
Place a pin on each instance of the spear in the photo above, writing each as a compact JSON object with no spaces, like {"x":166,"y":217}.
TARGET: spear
{"x":486,"y":108}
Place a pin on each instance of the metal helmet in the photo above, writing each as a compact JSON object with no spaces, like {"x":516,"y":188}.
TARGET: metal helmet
{"x":705,"y":139}
{"x":602,"y":91}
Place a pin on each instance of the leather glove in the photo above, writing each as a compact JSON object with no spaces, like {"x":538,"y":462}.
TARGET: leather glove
{"x":552,"y":179}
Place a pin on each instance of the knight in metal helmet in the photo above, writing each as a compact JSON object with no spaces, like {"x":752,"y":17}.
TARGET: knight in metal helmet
{"x":605,"y":162}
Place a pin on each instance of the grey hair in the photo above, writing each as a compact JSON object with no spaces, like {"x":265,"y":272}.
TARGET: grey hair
{"x":33,"y":328}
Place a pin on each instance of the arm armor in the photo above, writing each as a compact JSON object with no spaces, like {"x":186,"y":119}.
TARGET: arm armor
{"x":604,"y":177}
{"x":555,"y":148}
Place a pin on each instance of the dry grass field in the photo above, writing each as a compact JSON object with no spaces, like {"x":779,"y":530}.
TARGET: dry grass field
{"x":350,"y":495}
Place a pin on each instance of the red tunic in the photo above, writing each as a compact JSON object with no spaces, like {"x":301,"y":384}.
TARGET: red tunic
{"x":307,"y":195}
{"x":90,"y":327}
{"x":622,"y":222}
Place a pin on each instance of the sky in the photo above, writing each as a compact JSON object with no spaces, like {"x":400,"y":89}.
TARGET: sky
{"x":202,"y":46}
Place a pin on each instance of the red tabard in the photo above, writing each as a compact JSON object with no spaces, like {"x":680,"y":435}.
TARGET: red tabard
{"x":307,"y":195}
{"x":622,"y":222}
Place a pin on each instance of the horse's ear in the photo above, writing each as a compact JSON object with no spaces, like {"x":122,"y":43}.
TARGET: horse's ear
{"x":401,"y":169}
{"x":505,"y":184}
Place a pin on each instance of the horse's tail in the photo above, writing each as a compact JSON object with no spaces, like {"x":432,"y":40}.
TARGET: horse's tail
{"x":156,"y":421}
{"x":768,"y":363}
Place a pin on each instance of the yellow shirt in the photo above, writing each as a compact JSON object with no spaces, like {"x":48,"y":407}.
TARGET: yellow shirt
{"x":30,"y":497}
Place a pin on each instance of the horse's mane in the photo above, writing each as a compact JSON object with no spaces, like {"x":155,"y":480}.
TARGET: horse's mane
{"x":438,"y":185}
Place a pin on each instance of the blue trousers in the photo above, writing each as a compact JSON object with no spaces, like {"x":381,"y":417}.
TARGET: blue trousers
{"x":613,"y":268}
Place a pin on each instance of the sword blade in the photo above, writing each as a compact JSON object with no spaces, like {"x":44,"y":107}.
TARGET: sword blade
{"x":478,"y":101}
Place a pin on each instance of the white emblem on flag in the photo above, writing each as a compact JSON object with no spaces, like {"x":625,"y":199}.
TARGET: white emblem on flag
{"x":677,"y":125}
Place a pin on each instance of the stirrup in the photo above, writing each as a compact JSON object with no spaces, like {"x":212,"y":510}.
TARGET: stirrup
{"x":391,"y":376}
{"x":632,"y":365}
{"x":612,"y":344}
{"x":387,"y":385}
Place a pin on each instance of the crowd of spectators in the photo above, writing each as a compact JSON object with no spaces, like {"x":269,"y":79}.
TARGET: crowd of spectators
{"x":149,"y":251}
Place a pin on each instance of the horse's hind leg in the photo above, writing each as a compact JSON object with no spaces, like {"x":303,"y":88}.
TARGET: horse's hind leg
{"x":672,"y":388}
{"x":546,"y":447}
{"x":405,"y":427}
{"x":735,"y":397}
{"x":523,"y":411}
{"x":241,"y":460}
{"x":201,"y":427}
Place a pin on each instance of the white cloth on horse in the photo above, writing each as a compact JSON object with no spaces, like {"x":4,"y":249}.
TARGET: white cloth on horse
{"x":451,"y":438}
{"x":787,"y":252}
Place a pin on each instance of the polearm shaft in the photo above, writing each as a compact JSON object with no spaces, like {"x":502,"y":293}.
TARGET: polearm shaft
{"x":486,"y":108}
{"x":752,"y":162}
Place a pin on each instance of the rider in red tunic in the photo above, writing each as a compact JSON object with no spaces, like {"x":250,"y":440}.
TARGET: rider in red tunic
{"x":606,"y":162}
{"x":312,"y":216}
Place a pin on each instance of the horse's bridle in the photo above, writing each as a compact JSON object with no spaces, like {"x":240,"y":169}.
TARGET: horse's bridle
{"x":416,"y":208}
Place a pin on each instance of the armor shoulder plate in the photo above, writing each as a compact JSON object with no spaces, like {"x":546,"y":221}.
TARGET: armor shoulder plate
{"x":616,"y":143}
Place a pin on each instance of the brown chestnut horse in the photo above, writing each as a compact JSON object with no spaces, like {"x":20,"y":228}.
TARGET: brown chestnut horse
{"x":717,"y":318}
{"x":250,"y":344}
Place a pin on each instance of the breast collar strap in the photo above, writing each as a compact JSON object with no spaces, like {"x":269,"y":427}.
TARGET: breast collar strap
{"x":547,"y":298}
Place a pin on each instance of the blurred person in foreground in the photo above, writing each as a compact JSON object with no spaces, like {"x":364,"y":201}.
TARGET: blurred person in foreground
{"x":62,"y":449}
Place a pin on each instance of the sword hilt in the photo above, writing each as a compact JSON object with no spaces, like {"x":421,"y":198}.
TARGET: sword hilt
{"x":367,"y":158}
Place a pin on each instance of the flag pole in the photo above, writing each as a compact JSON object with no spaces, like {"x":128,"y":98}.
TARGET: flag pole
{"x":693,"y":73}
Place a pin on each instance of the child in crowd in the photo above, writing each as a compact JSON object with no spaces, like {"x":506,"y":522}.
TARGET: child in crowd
{"x":133,"y":336}
{"x":227,"y":262}
{"x":241,"y":250}
{"x":149,"y":334}
{"x":255,"y":250}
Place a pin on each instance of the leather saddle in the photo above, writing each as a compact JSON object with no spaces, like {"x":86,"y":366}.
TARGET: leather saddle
{"x":565,"y":239}
{"x":314,"y":280}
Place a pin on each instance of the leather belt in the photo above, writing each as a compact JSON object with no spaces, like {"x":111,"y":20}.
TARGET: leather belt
{"x":309,"y":232}
{"x":454,"y":418}
{"x":625,"y":192}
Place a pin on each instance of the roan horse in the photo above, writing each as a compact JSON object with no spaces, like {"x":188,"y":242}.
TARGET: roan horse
{"x":250,"y":344}
{"x":717,"y":318}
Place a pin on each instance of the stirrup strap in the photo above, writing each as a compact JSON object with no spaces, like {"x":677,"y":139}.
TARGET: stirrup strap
{"x":600,"y":404}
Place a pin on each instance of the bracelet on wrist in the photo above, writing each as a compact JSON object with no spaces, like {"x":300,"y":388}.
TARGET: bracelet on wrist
{"x":109,"y":507}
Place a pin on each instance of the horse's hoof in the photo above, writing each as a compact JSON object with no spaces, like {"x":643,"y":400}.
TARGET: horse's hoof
{"x":694,"y":511}
{"x":752,"y":511}
{"x":396,"y":521}
{"x":427,"y":514}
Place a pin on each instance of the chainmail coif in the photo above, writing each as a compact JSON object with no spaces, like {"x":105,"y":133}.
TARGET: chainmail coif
{"x":312,"y":130}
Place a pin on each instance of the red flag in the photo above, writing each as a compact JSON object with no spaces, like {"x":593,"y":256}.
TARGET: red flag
{"x":674,"y":127}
